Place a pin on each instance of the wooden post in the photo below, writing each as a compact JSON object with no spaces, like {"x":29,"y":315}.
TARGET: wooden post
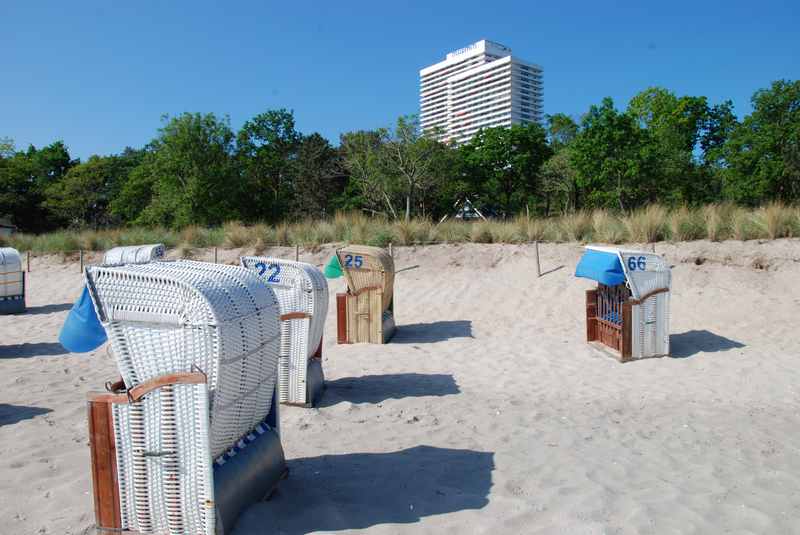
{"x":215,"y":255}
{"x":296,"y":253}
{"x":29,"y":261}
{"x":81,"y":256}
{"x":654,"y":246}
{"x":538,"y":265}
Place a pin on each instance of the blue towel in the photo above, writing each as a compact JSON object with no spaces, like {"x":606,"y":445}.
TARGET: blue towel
{"x":82,"y":332}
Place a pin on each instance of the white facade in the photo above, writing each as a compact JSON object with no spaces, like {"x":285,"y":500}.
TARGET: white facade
{"x":479,"y":86}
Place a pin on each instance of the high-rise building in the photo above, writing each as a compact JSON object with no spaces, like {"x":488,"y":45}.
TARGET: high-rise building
{"x":476,"y":87}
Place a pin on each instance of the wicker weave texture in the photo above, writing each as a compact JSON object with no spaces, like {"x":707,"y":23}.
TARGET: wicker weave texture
{"x":368,"y":267}
{"x":299,"y":288}
{"x":166,"y":317}
{"x":11,"y":276}
{"x":133,"y":254}
{"x":164,"y":462}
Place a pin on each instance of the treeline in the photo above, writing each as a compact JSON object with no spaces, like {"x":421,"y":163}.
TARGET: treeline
{"x":663,"y":148}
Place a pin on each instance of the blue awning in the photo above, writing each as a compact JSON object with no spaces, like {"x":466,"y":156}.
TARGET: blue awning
{"x":602,"y":267}
{"x":82,"y":331}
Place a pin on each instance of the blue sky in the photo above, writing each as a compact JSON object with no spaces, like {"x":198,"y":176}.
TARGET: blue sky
{"x":100,"y":75}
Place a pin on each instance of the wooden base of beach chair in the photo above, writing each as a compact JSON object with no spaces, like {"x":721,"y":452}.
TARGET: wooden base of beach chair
{"x":360,"y":318}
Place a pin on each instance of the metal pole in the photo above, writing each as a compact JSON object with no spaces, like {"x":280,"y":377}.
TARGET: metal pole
{"x":29,"y":261}
{"x":215,"y":255}
{"x":296,"y":253}
{"x":391,"y":249}
{"x":81,"y":255}
{"x":538,"y":265}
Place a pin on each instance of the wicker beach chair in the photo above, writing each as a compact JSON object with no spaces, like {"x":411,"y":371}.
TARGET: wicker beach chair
{"x":134,"y":254}
{"x":628,"y":312}
{"x":302,"y":293}
{"x":189,"y":436}
{"x":12,"y":282}
{"x":365,"y":313}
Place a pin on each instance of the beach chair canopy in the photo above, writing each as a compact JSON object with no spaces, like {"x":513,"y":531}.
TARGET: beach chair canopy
{"x":168,"y":317}
{"x":11,"y":278}
{"x":643,"y":272}
{"x":366,"y":268}
{"x":133,"y":254}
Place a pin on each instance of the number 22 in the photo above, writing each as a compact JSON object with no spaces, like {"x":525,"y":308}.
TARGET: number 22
{"x":274,"y":268}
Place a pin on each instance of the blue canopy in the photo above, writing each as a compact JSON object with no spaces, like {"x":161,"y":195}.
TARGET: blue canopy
{"x":602,"y":267}
{"x":82,"y":332}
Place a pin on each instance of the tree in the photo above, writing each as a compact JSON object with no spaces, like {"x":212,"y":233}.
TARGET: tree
{"x":763,"y":152}
{"x":561,"y":130}
{"x":505,"y":162}
{"x":188,"y":175}
{"x":560,"y":182}
{"x":317,"y":176}
{"x":267,"y":147}
{"x":413,"y":161}
{"x":361,"y":158}
{"x":24,"y":178}
{"x":609,"y":158}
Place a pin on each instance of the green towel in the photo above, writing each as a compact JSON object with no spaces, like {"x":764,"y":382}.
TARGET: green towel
{"x":333,"y":270}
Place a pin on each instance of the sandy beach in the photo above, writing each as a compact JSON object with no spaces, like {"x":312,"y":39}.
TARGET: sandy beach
{"x":487,"y":413}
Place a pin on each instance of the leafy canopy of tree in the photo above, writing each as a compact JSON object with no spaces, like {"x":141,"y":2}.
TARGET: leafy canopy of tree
{"x":661,"y":148}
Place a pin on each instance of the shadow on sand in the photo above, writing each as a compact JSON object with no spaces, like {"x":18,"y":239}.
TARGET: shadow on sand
{"x":377,"y":388}
{"x":47,"y":309}
{"x":690,"y":343}
{"x":358,"y":490}
{"x":438,"y":331}
{"x":36,"y":349}
{"x":11,"y":414}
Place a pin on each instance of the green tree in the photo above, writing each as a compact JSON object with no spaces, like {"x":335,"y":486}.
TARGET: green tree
{"x":188,"y":176}
{"x":267,"y":147}
{"x":561,"y":130}
{"x":609,"y":157}
{"x":763,"y":152}
{"x":363,"y":161}
{"x":560,"y":182}
{"x":413,"y":162}
{"x":318,"y":177}
{"x":24,"y":178}
{"x":505,"y":164}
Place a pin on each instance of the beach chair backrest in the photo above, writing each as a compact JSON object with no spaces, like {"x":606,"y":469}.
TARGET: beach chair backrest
{"x":183,"y":316}
{"x":11,"y":275}
{"x":366,"y":267}
{"x":134,"y":254}
{"x":299,"y":287}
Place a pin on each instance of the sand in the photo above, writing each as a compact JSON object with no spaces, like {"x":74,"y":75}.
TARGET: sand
{"x":488,"y":413}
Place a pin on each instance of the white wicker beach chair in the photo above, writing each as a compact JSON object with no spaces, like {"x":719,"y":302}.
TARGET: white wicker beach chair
{"x":12,"y":282}
{"x":133,"y":254}
{"x":302,"y":293}
{"x":366,"y":312}
{"x":190,"y":435}
{"x":629,"y":310}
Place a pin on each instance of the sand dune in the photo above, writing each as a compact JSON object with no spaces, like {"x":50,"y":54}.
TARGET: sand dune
{"x":487,"y":413}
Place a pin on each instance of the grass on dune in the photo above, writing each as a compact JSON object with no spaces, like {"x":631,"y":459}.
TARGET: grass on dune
{"x":648,"y":224}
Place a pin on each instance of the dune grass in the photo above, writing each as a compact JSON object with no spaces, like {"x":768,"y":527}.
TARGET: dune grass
{"x":652,"y":223}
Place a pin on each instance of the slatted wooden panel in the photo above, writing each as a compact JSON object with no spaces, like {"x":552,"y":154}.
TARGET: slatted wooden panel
{"x":360,"y":317}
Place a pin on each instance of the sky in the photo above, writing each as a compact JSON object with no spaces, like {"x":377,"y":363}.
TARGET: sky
{"x":100,"y":75}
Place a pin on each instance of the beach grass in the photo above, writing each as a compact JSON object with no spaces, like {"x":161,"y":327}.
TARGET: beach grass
{"x":653,"y":223}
